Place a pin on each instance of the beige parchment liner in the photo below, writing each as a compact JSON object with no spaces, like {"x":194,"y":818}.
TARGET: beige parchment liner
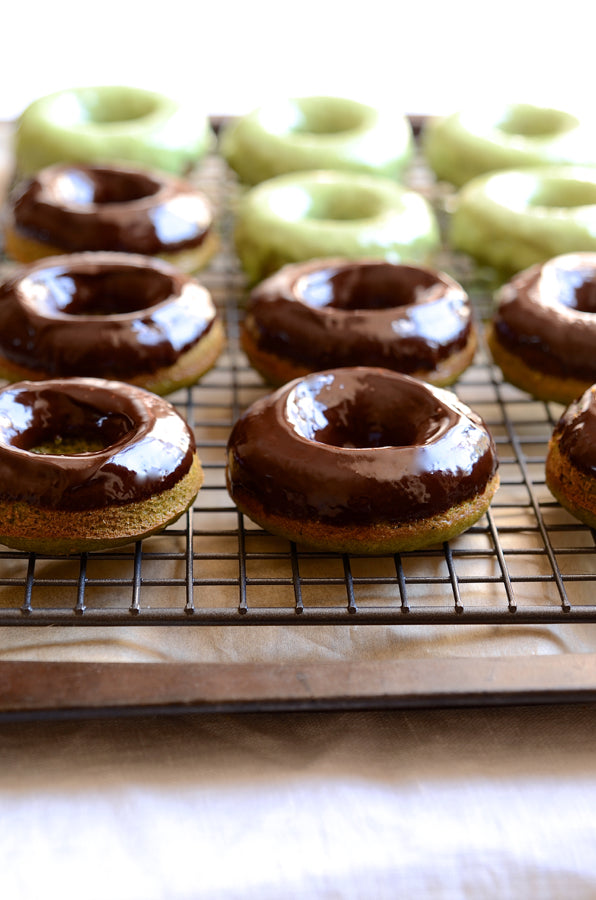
{"x":521,"y":513}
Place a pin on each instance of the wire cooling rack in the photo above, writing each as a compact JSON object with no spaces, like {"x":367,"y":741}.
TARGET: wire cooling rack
{"x":526,"y":561}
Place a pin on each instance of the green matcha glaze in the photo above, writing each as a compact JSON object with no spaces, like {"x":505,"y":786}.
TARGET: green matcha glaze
{"x":110,"y":124}
{"x":317,"y":214}
{"x":317,"y":133}
{"x":513,"y":219}
{"x":471,"y":143}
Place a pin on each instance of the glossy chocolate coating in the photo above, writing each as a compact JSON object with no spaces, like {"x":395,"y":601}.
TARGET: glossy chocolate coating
{"x":103,"y":315}
{"x":77,"y":208}
{"x":575,"y":433}
{"x":329,"y":313}
{"x":146,"y":445}
{"x":546,"y":315}
{"x":358,"y":446}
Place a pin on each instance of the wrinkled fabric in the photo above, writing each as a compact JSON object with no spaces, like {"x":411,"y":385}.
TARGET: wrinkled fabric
{"x":437,"y":804}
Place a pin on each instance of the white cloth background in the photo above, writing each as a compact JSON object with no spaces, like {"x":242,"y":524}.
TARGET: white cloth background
{"x":428,"y":804}
{"x":226,"y":57}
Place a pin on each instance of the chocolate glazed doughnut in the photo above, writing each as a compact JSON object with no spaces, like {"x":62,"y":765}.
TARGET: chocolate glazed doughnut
{"x":89,"y":464}
{"x":543,"y":333}
{"x":107,"y":315}
{"x":74,"y":208}
{"x":361,"y":460}
{"x":571,"y":458}
{"x":329,"y":313}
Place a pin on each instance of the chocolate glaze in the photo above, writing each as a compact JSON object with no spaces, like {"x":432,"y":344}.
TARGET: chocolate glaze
{"x":146,"y":445}
{"x":101,"y":314}
{"x":546,"y":315}
{"x":357,"y":446}
{"x":329,"y":313}
{"x":76,"y":208}
{"x":575,"y":433}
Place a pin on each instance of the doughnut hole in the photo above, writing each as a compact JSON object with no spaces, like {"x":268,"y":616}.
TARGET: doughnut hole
{"x":317,"y":116}
{"x":367,"y":287}
{"x":320,"y":410}
{"x":531,"y":121}
{"x":101,"y":186}
{"x":570,"y":286}
{"x":102,"y":293}
{"x":102,"y":107}
{"x":584,"y":295}
{"x":324,"y":202}
{"x":524,"y":192}
{"x":314,"y":115}
{"x":67,"y":427}
{"x":561,"y":193}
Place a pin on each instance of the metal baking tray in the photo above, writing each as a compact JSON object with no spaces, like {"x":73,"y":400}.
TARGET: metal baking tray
{"x":527,"y":563}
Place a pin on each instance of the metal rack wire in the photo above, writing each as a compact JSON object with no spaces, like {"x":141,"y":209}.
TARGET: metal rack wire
{"x":526,"y":561}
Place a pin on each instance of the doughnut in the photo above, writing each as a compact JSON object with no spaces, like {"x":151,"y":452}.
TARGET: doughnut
{"x":68,"y":208}
{"x":571,"y":458}
{"x":332,"y":313}
{"x":361,"y":460}
{"x":303,"y":133}
{"x":307,"y":215}
{"x":90,"y":464}
{"x":110,"y":123}
{"x":469,"y":143}
{"x":513,"y":219}
{"x":543,"y":332}
{"x":107,"y":315}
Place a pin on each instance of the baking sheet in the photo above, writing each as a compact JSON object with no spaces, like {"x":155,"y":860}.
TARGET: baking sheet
{"x":505,"y":613}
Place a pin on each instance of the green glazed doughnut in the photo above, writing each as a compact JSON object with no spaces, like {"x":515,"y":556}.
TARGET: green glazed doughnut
{"x":306,"y":215}
{"x":307,"y":133}
{"x":110,"y":124}
{"x":513,"y":219}
{"x":470,"y":143}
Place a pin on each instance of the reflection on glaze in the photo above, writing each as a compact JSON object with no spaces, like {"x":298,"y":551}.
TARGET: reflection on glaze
{"x":146,"y":447}
{"x":79,"y":208}
{"x":359,"y":445}
{"x":304,"y":411}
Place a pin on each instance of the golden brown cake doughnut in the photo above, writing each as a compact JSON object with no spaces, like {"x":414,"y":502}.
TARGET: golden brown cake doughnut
{"x":361,"y":460}
{"x":543,"y":333}
{"x":73,"y":208}
{"x":571,"y":459}
{"x":88,"y":464}
{"x":107,"y":315}
{"x":336,"y":312}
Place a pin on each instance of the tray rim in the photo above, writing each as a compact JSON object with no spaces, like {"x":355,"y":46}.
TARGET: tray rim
{"x":46,"y":690}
